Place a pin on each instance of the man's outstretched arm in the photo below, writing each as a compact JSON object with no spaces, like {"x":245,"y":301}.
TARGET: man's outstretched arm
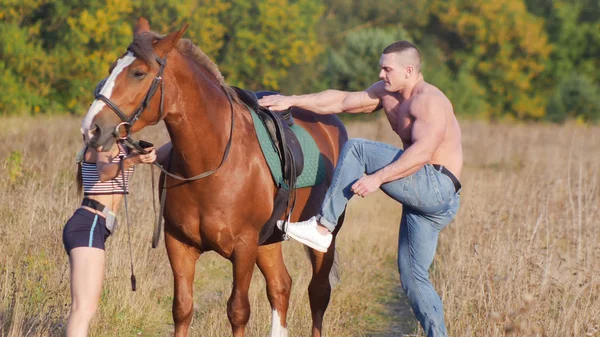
{"x":328,"y":101}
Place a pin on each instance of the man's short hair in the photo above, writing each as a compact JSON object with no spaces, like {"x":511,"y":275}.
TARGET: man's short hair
{"x":399,"y":46}
{"x":405,"y":46}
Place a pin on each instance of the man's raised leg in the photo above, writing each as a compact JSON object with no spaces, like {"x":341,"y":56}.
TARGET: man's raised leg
{"x":359,"y":156}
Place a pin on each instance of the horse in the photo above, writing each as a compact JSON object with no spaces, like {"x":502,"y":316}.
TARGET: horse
{"x":225,"y":211}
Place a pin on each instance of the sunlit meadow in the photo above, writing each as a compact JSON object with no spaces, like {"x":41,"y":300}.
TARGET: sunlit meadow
{"x":521,"y":258}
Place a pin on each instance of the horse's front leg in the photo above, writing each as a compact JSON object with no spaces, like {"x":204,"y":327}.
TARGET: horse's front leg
{"x":183,"y":263}
{"x":243,"y":259}
{"x":279,"y":285}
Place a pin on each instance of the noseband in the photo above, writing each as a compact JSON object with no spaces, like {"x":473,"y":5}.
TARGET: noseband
{"x":127,"y":123}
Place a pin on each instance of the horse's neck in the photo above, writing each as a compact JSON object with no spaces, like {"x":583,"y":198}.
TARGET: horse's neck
{"x":199,"y":130}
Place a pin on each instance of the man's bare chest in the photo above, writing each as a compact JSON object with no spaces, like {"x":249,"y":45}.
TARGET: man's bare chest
{"x":399,"y":117}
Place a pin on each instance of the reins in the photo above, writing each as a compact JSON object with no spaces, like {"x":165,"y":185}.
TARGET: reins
{"x":133,"y":280}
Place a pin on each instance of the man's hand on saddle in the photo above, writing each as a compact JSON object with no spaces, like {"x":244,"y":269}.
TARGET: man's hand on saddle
{"x":366,"y":185}
{"x":276,"y":102}
{"x":143,"y":158}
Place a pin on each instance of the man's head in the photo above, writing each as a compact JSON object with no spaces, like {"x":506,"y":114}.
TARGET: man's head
{"x":400,"y":65}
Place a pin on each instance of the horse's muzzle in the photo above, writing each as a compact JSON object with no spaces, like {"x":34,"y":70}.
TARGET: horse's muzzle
{"x":100,"y":138}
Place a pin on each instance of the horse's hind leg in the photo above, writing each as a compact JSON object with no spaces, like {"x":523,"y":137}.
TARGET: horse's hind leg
{"x":279,"y":285}
{"x":319,"y":289}
{"x":243,"y":260}
{"x":183,"y":263}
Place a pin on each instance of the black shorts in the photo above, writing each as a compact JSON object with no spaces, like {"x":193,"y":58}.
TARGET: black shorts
{"x":85,"y":229}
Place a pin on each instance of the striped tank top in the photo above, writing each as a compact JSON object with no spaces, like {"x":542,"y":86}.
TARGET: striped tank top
{"x":91,"y":180}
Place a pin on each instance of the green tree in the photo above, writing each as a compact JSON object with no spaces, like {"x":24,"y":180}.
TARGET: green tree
{"x":26,"y":67}
{"x":340,"y":19}
{"x":97,"y":36}
{"x":573,"y":28}
{"x":265,"y":38}
{"x":468,"y":97}
{"x":501,"y":44}
{"x":355,"y":65}
{"x":52,"y":53}
{"x":254,"y":43}
{"x":574,"y":31}
{"x":576,"y":97}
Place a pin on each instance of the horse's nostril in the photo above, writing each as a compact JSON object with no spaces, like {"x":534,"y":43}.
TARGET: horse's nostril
{"x":94,"y":133}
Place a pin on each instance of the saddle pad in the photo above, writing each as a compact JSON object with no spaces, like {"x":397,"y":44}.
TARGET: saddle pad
{"x":314,"y":163}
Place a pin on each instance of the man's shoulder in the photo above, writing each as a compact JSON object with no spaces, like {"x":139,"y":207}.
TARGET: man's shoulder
{"x":431,"y":91}
{"x":378,"y":90}
{"x":428,"y":100}
{"x":430,"y":94}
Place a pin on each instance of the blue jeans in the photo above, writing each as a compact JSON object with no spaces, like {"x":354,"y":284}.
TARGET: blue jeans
{"x":429,"y":202}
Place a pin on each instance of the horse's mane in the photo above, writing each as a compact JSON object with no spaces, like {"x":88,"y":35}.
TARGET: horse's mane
{"x":186,"y":47}
{"x":142,"y":48}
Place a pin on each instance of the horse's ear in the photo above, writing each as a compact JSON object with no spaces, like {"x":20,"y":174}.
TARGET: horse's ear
{"x":164,"y":45}
{"x":141,"y":26}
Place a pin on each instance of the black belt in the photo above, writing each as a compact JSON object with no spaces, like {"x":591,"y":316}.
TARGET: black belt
{"x":93,"y":204}
{"x":445,"y":171}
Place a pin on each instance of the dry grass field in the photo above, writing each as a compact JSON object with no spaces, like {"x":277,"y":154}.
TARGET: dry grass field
{"x":522,"y":258}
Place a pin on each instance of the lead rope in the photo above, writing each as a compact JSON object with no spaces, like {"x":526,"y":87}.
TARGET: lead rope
{"x":133,"y":280}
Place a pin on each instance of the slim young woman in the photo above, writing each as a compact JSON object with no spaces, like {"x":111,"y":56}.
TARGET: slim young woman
{"x":86,"y":231}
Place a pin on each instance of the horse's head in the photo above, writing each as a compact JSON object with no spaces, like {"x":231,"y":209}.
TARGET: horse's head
{"x":132,"y":95}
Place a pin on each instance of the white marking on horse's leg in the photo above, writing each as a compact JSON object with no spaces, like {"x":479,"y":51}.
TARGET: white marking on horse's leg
{"x":277,"y":330}
{"x":97,"y":105}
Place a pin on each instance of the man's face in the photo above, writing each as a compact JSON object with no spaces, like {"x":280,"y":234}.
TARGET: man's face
{"x":392,"y":72}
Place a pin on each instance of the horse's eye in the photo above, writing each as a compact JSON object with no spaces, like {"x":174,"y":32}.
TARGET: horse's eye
{"x":139,"y":74}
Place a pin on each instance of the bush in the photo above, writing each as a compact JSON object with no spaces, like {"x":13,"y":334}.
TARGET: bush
{"x":355,"y":66}
{"x":576,"y":97}
{"x":467,"y":96}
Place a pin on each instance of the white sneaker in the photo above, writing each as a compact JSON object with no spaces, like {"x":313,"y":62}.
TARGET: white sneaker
{"x":306,"y":232}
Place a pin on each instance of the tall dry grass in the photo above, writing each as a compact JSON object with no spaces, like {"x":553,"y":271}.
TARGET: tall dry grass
{"x":521,"y":257}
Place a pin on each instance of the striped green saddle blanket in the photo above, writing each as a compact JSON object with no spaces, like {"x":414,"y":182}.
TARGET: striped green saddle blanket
{"x":314,"y":162}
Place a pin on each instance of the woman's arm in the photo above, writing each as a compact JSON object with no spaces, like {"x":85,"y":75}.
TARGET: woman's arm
{"x":108,"y":170}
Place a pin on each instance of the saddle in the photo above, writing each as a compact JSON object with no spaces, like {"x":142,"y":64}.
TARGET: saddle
{"x":278,"y":125}
{"x":290,"y":155}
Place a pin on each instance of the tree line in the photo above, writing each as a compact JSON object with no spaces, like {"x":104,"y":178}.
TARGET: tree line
{"x":504,"y":59}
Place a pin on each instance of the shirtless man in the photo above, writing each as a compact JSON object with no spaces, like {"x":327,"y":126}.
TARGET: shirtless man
{"x":423,"y":177}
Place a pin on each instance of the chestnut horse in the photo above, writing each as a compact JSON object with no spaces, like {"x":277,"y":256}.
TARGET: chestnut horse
{"x":223,"y":211}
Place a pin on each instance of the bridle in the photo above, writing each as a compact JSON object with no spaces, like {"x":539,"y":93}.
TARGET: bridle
{"x":127,"y":123}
